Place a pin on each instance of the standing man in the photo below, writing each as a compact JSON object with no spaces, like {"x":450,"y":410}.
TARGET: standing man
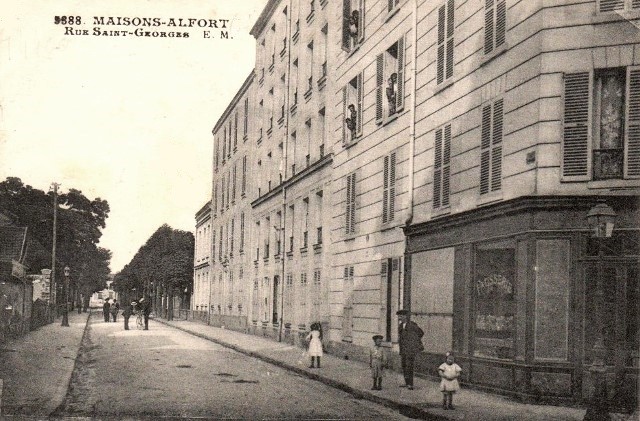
{"x":105,"y":310}
{"x":145,"y":305}
{"x":115,"y":308}
{"x":410,"y":339}
{"x":128,"y":311}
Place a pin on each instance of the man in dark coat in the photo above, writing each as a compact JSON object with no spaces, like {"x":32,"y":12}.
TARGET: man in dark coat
{"x":410,"y":340}
{"x":105,"y":310}
{"x":145,"y":306}
{"x":126,"y":313}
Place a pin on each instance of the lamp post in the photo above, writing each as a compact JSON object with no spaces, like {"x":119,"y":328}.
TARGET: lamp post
{"x":601,"y":219}
{"x":65,"y":310}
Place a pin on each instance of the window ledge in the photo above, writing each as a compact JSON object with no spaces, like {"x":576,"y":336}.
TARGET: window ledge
{"x":353,"y":50}
{"x":391,"y":118}
{"x":245,"y":138}
{"x":303,"y":251}
{"x":606,"y":17}
{"x":613,"y":184}
{"x":352,"y":142}
{"x":441,"y":211}
{"x":307,"y":95}
{"x":390,"y":14}
{"x":495,"y":53}
{"x":488,"y":198}
{"x":444,"y":85}
{"x":349,"y":237}
{"x":389,"y":226}
{"x":290,"y":254}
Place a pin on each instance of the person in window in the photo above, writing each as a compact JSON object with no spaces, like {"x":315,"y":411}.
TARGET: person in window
{"x":410,"y":341}
{"x":392,"y":91}
{"x":353,"y":24}
{"x":352,"y":120}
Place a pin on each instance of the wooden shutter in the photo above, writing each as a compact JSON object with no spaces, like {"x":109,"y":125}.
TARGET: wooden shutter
{"x":392,"y":186}
{"x":361,"y":24}
{"x":446,"y":160}
{"x":576,"y":160}
{"x":235,"y":130}
{"x":437,"y":170}
{"x":632,"y":125}
{"x":242,"y":231}
{"x":344,"y":115}
{"x":390,"y":5}
{"x":450,"y":43}
{"x":441,"y":44}
{"x":485,"y":149}
{"x":400,"y":95}
{"x":352,"y":219}
{"x":501,"y":23}
{"x":246,"y":116}
{"x":233,"y":190}
{"x":348,"y":206}
{"x":360,"y":90}
{"x":222,"y":193}
{"x":488,"y":27}
{"x":346,"y":37}
{"x":385,"y":190}
{"x":496,"y":145}
{"x":224,"y":144}
{"x":611,"y":5}
{"x":379,"y":82}
{"x":244,"y":174}
{"x":635,"y":4}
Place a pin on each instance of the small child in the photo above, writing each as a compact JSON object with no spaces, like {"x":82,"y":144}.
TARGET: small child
{"x":449,"y":372}
{"x":315,"y":343}
{"x":377,"y":362}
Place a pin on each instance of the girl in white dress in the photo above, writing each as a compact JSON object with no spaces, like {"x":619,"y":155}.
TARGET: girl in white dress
{"x":315,"y":343}
{"x":449,"y":372}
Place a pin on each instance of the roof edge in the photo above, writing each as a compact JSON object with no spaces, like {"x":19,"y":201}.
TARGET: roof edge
{"x":245,"y":86}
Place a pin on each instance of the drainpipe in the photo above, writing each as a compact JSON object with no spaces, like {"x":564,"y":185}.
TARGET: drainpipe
{"x":412,"y":124}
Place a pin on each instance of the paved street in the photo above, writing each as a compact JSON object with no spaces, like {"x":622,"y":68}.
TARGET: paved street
{"x":169,"y":373}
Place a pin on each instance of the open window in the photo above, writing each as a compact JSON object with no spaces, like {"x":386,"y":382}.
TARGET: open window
{"x":390,"y":82}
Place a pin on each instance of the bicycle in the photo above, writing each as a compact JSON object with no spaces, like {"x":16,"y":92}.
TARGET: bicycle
{"x":139,"y":320}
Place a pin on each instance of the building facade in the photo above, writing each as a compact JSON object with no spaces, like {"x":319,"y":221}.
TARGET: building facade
{"x":440,"y":157}
{"x":201,"y":297}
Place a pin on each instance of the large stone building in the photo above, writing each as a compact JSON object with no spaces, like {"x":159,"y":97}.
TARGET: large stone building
{"x":200,"y":299}
{"x":442,"y":157}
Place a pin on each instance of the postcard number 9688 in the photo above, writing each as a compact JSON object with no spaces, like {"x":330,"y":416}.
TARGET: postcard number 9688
{"x":67,"y":20}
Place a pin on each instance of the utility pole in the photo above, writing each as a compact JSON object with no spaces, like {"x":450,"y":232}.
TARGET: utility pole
{"x":52,"y":285}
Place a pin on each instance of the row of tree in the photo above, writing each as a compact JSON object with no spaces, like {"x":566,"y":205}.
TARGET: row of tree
{"x":79,"y":227}
{"x":161,"y":269}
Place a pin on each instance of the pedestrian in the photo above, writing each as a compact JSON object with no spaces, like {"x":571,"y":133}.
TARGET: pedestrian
{"x":377,"y":362}
{"x":105,"y":310}
{"x":449,"y":372}
{"x":126,"y":313}
{"x":410,"y":340}
{"x":115,"y":307}
{"x":145,"y":306}
{"x":315,"y":343}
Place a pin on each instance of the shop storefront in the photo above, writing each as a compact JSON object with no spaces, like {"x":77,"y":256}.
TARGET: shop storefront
{"x":512,"y":288}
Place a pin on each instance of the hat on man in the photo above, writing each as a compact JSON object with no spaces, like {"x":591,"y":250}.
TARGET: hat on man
{"x":377,"y":337}
{"x":402,"y":312}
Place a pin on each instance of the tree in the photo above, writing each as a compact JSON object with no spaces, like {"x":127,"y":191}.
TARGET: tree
{"x":164,"y":261}
{"x":79,"y":228}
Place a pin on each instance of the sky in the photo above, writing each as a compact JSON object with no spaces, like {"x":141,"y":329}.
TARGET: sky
{"x":126,"y":119}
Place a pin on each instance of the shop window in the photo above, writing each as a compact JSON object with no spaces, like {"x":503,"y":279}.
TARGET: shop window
{"x":390,"y":82}
{"x":494,"y":303}
{"x":602,"y":125}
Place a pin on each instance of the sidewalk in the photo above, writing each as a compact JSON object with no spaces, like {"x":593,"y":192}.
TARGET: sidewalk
{"x":36,"y":368}
{"x":354,"y":377}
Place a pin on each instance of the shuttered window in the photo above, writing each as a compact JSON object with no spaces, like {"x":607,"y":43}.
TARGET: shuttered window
{"x":215,"y":199}
{"x":601,"y":134}
{"x":246,"y":118}
{"x":390,"y":81}
{"x":606,"y":6}
{"x":495,"y":24}
{"x":441,"y":167}
{"x":244,"y":175}
{"x":222,"y":193}
{"x":241,"y":232}
{"x":350,"y":211}
{"x":233,"y":187}
{"x":446,"y":26}
{"x":491,"y":147}
{"x":389,"y":188}
{"x":347,"y":299}
{"x":213,"y":245}
{"x":235,"y":131}
{"x":231,"y":236}
{"x":352,"y":24}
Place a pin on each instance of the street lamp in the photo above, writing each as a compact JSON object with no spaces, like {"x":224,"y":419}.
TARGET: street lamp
{"x":65,"y":310}
{"x":601,"y":219}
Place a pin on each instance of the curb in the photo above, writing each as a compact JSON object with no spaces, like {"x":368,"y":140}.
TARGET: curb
{"x":407,"y":410}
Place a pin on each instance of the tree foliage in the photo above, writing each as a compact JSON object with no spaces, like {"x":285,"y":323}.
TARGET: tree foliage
{"x":79,"y":227}
{"x":166,"y":259}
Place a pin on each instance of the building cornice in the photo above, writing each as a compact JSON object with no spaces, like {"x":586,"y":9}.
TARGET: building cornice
{"x":204,"y":211}
{"x":244,"y":88}
{"x":264,"y":17}
{"x":315,"y":167}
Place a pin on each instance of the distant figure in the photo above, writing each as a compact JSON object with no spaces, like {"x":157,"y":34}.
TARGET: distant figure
{"x":115,"y":307}
{"x":353,"y":24}
{"x":392,"y":91}
{"x":352,"y":120}
{"x":315,"y":343}
{"x":126,"y":313}
{"x":449,"y":372}
{"x":145,"y":306}
{"x":105,"y":310}
{"x":377,"y":362}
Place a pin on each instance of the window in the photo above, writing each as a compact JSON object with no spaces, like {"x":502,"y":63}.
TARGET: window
{"x":233,"y":189}
{"x":235,"y":131}
{"x":241,"y":232}
{"x":495,"y":24}
{"x":215,"y":198}
{"x":347,"y":300}
{"x":231,"y":236}
{"x":224,"y":144}
{"x":245,"y":127}
{"x":352,"y":96}
{"x":390,"y":81}
{"x":445,"y":41}
{"x":222,"y":193}
{"x":220,"y":246}
{"x":352,"y":24}
{"x":491,"y":148}
{"x":244,"y":175}
{"x":441,"y":167}
{"x":605,"y":6}
{"x":392,"y":4}
{"x":389,"y":188}
{"x":602,"y":125}
{"x":350,"y":212}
